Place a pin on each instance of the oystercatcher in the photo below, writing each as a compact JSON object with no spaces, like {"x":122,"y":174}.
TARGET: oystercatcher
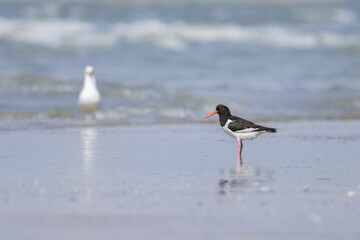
{"x":238,"y":128}
{"x":89,"y":97}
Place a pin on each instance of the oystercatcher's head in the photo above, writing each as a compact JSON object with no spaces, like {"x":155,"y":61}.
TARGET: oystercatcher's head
{"x":221,"y":110}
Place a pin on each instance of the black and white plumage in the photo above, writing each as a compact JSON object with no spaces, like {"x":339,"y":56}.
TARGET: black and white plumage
{"x":237,"y":127}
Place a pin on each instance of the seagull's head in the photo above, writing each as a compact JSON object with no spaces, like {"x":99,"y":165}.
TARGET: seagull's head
{"x":89,"y":70}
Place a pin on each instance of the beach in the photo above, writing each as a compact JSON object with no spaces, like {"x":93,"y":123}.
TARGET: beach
{"x":177,"y":181}
{"x":146,"y":165}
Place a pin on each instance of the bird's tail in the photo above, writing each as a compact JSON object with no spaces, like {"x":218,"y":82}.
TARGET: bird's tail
{"x":266,"y":129}
{"x":271,"y":129}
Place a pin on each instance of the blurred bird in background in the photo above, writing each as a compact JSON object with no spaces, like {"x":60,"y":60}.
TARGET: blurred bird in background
{"x":89,"y":97}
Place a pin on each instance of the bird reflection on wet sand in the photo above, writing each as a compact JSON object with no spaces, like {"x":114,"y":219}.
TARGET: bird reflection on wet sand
{"x":240,"y":179}
{"x":89,"y":136}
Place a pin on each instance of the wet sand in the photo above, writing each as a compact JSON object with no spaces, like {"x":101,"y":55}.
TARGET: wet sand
{"x":181,"y":181}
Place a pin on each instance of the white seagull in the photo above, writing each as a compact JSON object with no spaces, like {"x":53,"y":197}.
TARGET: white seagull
{"x":89,"y":97}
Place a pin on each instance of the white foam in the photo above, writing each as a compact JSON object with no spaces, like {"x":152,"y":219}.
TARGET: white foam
{"x":177,"y":35}
{"x":174,"y":35}
{"x":52,"y":33}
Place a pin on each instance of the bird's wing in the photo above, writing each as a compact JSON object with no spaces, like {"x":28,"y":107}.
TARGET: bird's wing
{"x":239,"y":124}
{"x":242,"y":125}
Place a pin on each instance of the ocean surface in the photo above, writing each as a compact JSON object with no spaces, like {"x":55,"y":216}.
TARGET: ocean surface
{"x":174,"y":62}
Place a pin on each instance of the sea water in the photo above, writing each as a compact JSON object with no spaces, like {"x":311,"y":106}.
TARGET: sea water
{"x":174,"y":62}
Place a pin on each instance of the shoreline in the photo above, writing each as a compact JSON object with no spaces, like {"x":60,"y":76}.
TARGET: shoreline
{"x":53,"y":124}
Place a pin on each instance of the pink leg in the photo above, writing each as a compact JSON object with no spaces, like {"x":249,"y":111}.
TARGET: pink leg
{"x":240,"y":150}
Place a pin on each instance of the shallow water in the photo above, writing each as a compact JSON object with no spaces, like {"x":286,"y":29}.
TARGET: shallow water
{"x":180,"y":181}
{"x":176,"y":62}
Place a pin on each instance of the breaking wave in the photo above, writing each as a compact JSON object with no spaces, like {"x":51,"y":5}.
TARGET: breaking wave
{"x":169,"y":35}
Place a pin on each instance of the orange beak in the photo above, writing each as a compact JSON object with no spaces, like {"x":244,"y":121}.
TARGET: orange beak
{"x":215,"y":112}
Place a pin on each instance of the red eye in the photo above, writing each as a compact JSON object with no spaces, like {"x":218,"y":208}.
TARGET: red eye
{"x":219,"y":108}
